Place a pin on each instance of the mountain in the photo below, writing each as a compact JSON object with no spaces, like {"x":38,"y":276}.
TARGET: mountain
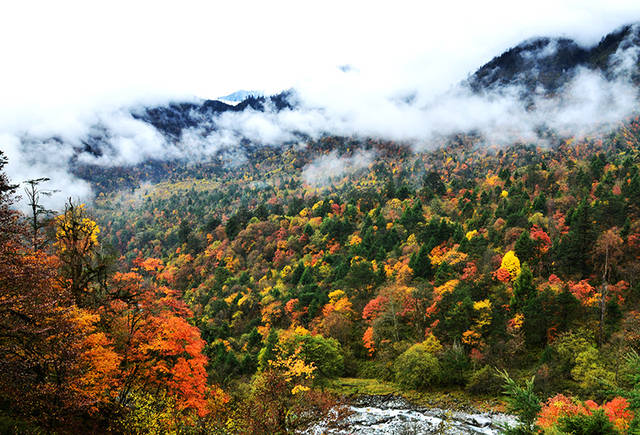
{"x":173,"y":118}
{"x":536,"y":67}
{"x":544,"y":65}
{"x":239,"y":96}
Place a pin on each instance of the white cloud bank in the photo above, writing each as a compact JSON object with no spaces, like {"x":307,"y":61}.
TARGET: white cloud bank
{"x":331,"y":167}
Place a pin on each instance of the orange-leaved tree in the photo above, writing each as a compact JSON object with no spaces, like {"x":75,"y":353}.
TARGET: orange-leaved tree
{"x":56,"y":365}
{"x":161,"y":352}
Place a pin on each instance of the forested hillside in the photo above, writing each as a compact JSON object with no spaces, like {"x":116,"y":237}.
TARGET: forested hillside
{"x":429,"y":269}
{"x":246,"y":269}
{"x":228,"y":299}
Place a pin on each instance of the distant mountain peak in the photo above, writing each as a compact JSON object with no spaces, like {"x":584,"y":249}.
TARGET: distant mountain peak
{"x":548,"y":63}
{"x":239,"y":96}
{"x":173,"y":118}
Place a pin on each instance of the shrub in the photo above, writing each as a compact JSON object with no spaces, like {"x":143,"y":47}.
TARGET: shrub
{"x":369,"y":369}
{"x":324,"y":353}
{"x":432,"y":345}
{"x":484,"y":381}
{"x":521,"y":400}
{"x":455,"y":364}
{"x":619,"y":413}
{"x":590,"y":373}
{"x":279,"y":404}
{"x":568,"y":346}
{"x":417,"y":368}
{"x":556,"y":408}
{"x":560,"y":411}
{"x":595,"y":424}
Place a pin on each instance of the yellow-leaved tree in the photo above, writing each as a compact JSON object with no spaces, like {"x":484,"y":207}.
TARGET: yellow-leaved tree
{"x":82,"y":266}
{"x":511,"y":264}
{"x":482,"y":316}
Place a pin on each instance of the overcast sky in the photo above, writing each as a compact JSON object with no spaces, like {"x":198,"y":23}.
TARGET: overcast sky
{"x":73,"y":55}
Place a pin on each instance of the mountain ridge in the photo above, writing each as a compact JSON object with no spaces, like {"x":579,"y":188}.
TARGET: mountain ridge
{"x":173,"y":118}
{"x":550,"y":63}
{"x":536,"y":67}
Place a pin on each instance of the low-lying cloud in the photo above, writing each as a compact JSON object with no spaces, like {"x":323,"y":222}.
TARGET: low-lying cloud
{"x":331,"y":167}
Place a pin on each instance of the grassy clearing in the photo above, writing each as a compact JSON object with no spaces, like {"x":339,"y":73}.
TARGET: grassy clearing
{"x":454,"y":399}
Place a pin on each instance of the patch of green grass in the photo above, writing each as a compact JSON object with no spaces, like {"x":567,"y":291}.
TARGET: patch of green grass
{"x":360,"y":386}
{"x":446,"y":398}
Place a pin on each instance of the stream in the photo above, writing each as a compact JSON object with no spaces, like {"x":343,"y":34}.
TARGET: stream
{"x":380,"y":415}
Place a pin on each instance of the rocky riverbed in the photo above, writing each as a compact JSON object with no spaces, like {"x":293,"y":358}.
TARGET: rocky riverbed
{"x":392,"y":414}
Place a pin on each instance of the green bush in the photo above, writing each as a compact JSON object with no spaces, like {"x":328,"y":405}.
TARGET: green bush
{"x":595,"y":424}
{"x":417,"y":368}
{"x":521,"y":401}
{"x":485,"y":381}
{"x":567,"y":347}
{"x":455,"y":365}
{"x":324,"y":353}
{"x":369,"y":370}
{"x":590,"y":373}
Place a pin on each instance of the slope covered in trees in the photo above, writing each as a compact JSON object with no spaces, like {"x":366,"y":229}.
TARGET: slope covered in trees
{"x":228,"y":299}
{"x":428,"y":269}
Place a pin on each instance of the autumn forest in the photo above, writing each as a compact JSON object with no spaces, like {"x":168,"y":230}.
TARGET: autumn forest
{"x":236,"y":300}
